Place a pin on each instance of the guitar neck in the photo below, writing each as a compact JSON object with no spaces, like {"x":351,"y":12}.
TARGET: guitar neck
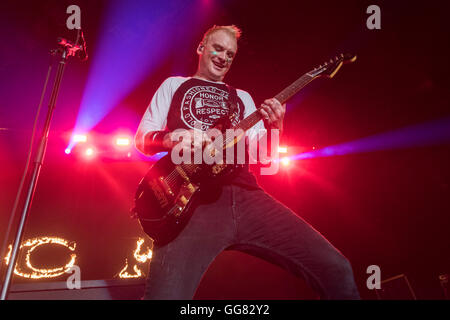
{"x":283,"y":96}
{"x":328,"y":69}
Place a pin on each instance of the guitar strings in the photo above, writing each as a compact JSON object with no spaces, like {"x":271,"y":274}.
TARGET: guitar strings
{"x":173,"y":176}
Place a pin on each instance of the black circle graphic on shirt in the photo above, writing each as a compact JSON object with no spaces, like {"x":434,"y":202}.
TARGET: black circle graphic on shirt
{"x":202,"y":106}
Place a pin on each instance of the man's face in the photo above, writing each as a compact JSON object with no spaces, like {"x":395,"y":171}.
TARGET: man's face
{"x":217,"y":55}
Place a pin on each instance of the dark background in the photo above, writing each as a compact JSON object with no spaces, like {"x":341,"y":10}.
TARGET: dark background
{"x":389,"y":208}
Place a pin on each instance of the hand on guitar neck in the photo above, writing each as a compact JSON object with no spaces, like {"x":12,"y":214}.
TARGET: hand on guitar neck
{"x":273,"y":113}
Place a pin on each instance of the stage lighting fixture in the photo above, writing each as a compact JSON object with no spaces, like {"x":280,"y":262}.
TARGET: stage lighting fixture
{"x":67,"y":151}
{"x":89,"y":152}
{"x":285,"y":161}
{"x":79,"y":138}
{"x":282,"y":149}
{"x":123,"y":141}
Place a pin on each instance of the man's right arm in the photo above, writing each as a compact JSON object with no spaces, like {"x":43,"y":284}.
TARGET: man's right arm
{"x":151,"y":136}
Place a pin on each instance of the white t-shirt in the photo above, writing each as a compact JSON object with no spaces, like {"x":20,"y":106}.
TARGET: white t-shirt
{"x":199,"y":101}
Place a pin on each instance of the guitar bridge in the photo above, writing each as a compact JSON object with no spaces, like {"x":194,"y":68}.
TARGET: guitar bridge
{"x":218,"y":168}
{"x":184,"y":196}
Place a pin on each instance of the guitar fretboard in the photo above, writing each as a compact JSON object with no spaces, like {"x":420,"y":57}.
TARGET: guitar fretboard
{"x":283,"y":96}
{"x":295,"y":87}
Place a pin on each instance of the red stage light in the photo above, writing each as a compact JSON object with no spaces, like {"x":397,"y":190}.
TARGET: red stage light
{"x":67,"y":151}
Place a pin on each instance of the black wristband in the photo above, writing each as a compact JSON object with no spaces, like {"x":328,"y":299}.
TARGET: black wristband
{"x":158,"y":137}
{"x":154,"y":141}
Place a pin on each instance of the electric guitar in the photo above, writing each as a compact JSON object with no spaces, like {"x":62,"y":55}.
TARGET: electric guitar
{"x":166,"y":192}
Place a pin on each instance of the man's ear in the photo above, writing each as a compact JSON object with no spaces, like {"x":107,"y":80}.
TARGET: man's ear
{"x":200,"y":48}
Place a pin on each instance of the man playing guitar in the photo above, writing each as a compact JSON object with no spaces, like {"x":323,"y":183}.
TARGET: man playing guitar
{"x":233,"y":212}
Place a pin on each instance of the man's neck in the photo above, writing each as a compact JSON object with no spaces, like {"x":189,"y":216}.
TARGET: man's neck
{"x":202,"y":77}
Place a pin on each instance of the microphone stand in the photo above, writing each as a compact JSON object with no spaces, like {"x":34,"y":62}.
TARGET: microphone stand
{"x":66,"y":49}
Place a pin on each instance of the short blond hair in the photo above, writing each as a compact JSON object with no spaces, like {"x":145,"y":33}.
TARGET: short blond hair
{"x":232,"y":30}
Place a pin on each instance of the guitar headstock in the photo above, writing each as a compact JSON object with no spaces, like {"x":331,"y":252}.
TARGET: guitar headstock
{"x":330,"y":68}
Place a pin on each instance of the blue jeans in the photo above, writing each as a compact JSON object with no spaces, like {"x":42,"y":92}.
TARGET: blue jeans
{"x":251,"y":221}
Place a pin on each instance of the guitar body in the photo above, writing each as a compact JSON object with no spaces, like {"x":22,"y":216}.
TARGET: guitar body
{"x":162,"y":201}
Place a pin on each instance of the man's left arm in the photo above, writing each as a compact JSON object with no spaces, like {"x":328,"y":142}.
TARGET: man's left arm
{"x":273,"y":114}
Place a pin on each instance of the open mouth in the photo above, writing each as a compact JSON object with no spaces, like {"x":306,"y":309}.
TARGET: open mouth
{"x":218,"y":65}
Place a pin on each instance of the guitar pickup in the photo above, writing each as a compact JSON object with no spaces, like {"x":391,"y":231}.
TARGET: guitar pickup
{"x":165,"y":186}
{"x":182,"y":173}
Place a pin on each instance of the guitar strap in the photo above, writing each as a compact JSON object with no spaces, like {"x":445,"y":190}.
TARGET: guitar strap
{"x":232,"y":115}
{"x":232,"y":112}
